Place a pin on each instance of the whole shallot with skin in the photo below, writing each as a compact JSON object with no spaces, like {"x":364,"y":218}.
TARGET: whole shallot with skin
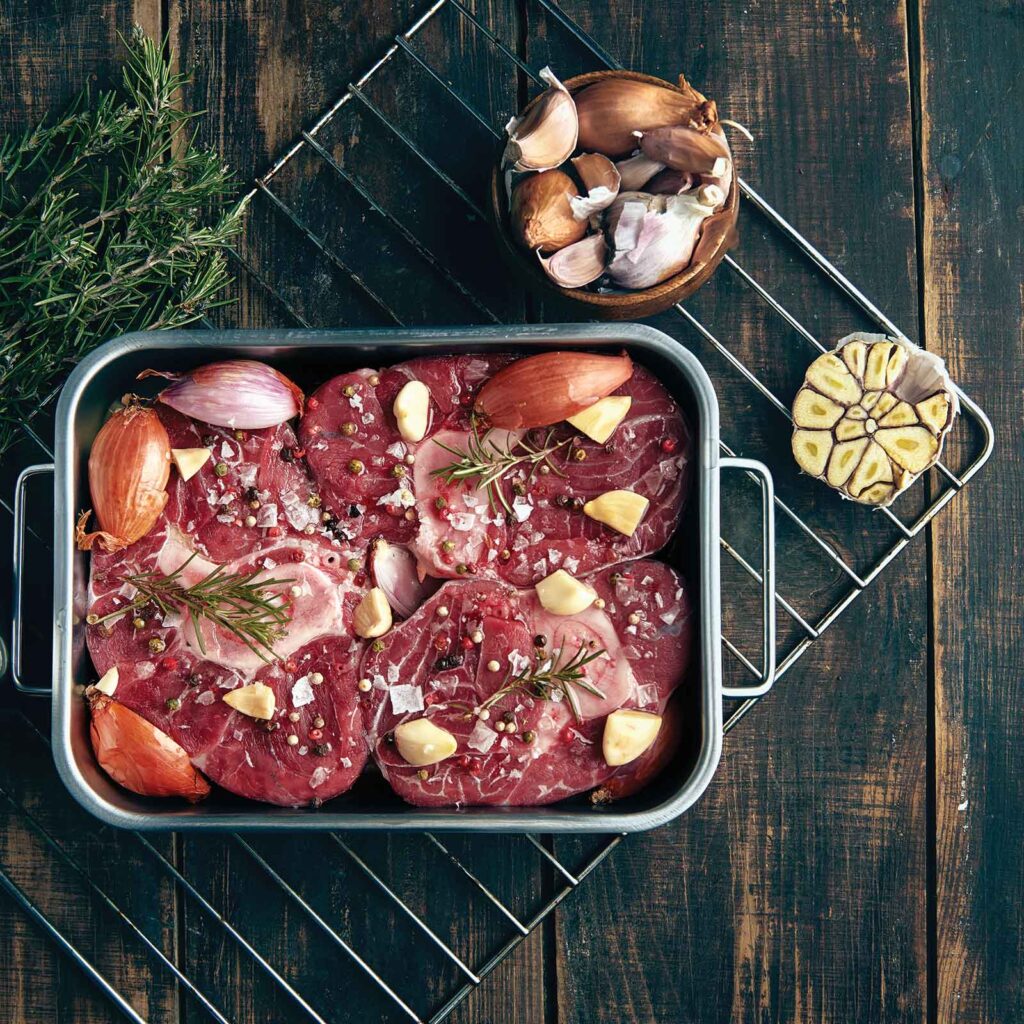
{"x":129,"y":466}
{"x":242,"y":394}
{"x":542,"y":390}
{"x":541,"y":213}
{"x":137,"y":755}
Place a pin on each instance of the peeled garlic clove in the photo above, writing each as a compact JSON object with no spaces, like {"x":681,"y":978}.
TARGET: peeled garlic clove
{"x":255,"y":700}
{"x":411,"y":410}
{"x":613,"y":108}
{"x":563,"y":594}
{"x":637,"y":171}
{"x":372,"y":616}
{"x":542,"y":390}
{"x":620,"y":510}
{"x":107,"y":683}
{"x":599,"y":421}
{"x":541,"y":215}
{"x":578,"y":264}
{"x":190,"y":460}
{"x":546,"y":135}
{"x":601,"y":180}
{"x":686,"y":149}
{"x":420,"y":742}
{"x":628,"y":733}
{"x":896,"y":405}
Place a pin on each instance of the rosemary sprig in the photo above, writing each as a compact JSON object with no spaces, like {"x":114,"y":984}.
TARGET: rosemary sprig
{"x":488,"y":462}
{"x":549,"y":676}
{"x":252,"y":612}
{"x":111,"y":220}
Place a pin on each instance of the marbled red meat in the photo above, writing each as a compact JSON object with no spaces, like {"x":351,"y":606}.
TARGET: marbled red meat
{"x":453,"y":528}
{"x":179,"y":687}
{"x":431,"y":667}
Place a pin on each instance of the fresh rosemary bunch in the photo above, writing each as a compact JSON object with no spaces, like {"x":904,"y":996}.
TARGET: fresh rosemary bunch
{"x":549,"y":676}
{"x":253,"y":612}
{"x":488,"y":462}
{"x":111,"y":219}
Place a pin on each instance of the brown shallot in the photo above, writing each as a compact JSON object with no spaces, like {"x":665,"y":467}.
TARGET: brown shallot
{"x":129,"y":466}
{"x":138,"y":755}
{"x":542,"y":390}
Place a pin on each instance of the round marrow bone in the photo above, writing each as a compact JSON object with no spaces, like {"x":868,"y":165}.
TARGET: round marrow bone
{"x":871,"y":416}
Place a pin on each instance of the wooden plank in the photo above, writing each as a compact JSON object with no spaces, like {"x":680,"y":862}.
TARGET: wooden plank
{"x":971,"y":101}
{"x":793,"y":890}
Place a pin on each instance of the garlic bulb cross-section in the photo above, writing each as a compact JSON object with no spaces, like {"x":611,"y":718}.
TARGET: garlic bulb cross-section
{"x":871,"y":416}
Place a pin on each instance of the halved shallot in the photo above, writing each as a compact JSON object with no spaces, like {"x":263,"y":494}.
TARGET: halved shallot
{"x":542,"y":390}
{"x":129,"y":465}
{"x":137,"y":755}
{"x":241,"y":393}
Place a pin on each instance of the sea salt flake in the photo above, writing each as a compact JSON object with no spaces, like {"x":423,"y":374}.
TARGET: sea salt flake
{"x":379,"y":683}
{"x":668,"y":617}
{"x":226,"y":451}
{"x":554,"y":556}
{"x":297,"y":511}
{"x":403,"y":497}
{"x":517,"y":662}
{"x":396,"y":450}
{"x":248,"y":760}
{"x":247,"y":474}
{"x":267,"y":515}
{"x":228,"y":518}
{"x":268,"y":563}
{"x":144,"y":669}
{"x":482,"y":737}
{"x":356,"y":401}
{"x":659,"y":600}
{"x":367,"y":417}
{"x":571,"y":564}
{"x":206,"y":697}
{"x":237,"y":734}
{"x":462,"y":521}
{"x":302,"y":692}
{"x":392,"y":673}
{"x":405,"y":698}
{"x":303,"y":750}
{"x":522,"y":509}
{"x":319,"y":777}
{"x":646,"y":581}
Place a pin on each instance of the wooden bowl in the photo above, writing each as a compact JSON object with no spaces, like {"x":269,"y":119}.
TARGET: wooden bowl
{"x":717,"y":237}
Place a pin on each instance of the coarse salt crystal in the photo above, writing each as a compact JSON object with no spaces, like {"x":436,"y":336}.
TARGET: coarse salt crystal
{"x":554,"y":556}
{"x":367,"y":417}
{"x":268,"y":563}
{"x":518,"y":661}
{"x":356,"y":401}
{"x":302,"y":692}
{"x":228,"y":518}
{"x":247,"y":474}
{"x":206,"y":697}
{"x":144,"y":669}
{"x":646,"y":581}
{"x":248,"y":760}
{"x":392,"y":673}
{"x":267,"y":515}
{"x":396,"y":450}
{"x":482,"y":737}
{"x":668,"y":617}
{"x":379,"y":683}
{"x":226,"y":451}
{"x":571,"y":564}
{"x":319,"y":776}
{"x":462,"y":521}
{"x":405,"y":698}
{"x":522,"y":509}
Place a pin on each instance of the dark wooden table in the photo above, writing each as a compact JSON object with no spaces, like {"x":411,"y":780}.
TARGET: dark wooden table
{"x":860,"y":856}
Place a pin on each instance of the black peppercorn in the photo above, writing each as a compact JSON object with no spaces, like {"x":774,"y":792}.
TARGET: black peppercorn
{"x":287,"y":455}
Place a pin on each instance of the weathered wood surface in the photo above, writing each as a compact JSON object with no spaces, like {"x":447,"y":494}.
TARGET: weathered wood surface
{"x":858,"y":856}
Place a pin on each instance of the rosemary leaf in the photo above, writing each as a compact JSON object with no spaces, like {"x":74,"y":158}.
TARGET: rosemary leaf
{"x":112,"y":219}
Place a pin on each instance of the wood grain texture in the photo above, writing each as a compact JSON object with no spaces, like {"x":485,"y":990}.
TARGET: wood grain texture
{"x":973,"y":105}
{"x":793,"y":890}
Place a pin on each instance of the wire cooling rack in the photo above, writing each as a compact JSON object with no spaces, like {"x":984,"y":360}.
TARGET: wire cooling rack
{"x":433,"y":250}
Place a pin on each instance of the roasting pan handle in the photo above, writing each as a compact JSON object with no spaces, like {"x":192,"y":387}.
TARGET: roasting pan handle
{"x":766,"y":676}
{"x":17,"y":563}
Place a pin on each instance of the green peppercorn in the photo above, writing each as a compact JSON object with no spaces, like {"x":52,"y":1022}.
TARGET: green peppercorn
{"x":373,"y":380}
{"x":239,"y":435}
{"x":221,"y":469}
{"x":348,"y":428}
{"x":156,"y":645}
{"x":348,"y":390}
{"x":355,"y":467}
{"x":313,"y":501}
{"x":354,"y":565}
{"x":377,"y":646}
{"x":518,"y":488}
{"x":398,"y":470}
{"x":462,"y":568}
{"x":440,"y":504}
{"x":139,"y":623}
{"x":173,"y":704}
{"x":529,"y":736}
{"x":579,"y":455}
{"x":447,"y":546}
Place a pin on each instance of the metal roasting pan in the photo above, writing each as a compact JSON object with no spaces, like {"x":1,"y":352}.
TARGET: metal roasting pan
{"x":311,"y":357}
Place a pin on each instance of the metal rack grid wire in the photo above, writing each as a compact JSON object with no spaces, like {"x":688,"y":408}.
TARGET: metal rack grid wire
{"x":563,"y":880}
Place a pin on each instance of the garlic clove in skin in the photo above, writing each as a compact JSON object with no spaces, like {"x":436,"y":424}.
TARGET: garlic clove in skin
{"x":655,"y":236}
{"x":670,"y":182}
{"x":541,"y":215}
{"x":637,"y":170}
{"x":602,"y":181}
{"x":578,"y":264}
{"x":546,"y":136}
